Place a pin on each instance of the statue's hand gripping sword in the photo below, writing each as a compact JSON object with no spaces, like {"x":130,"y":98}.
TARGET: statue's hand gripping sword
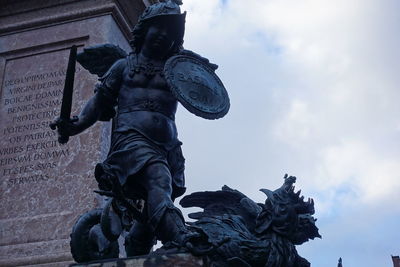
{"x":66,"y":104}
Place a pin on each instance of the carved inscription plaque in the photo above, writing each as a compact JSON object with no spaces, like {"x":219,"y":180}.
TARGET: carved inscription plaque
{"x":44,"y":185}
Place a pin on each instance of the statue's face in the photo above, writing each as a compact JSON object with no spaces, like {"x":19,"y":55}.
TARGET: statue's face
{"x":159,"y":38}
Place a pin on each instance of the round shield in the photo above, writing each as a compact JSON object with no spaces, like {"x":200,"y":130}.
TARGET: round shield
{"x":197,"y":87}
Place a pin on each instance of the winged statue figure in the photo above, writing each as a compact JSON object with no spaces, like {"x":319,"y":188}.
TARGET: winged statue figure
{"x":144,"y":171}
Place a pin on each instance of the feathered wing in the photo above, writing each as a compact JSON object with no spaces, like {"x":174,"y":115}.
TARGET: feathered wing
{"x":223,"y":202}
{"x":98,"y":59}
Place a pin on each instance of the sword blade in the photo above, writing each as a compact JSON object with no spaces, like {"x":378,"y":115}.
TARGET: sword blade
{"x":66,"y":104}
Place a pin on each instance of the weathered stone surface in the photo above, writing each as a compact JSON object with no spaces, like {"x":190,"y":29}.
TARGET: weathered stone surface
{"x":45,"y":186}
{"x":166,"y":260}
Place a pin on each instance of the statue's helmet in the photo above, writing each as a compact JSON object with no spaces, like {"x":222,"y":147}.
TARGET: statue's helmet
{"x":163,"y":12}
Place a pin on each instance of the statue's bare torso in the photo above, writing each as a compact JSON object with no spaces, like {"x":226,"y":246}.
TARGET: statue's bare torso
{"x":145,"y":103}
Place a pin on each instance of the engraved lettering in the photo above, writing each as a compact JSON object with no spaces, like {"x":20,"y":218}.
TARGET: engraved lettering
{"x":34,"y":106}
{"x":11,"y":150}
{"x":29,"y":179}
{"x":51,"y":154}
{"x":181,"y":77}
{"x":15,"y":160}
{"x":193,"y":95}
{"x":31,"y":103}
{"x":202,"y":98}
{"x":18,"y":99}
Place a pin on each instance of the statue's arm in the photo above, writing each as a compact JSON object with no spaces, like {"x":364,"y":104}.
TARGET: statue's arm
{"x":100,"y":106}
{"x":88,"y":116}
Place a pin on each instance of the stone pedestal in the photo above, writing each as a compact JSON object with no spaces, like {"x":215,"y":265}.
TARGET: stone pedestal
{"x":167,"y":260}
{"x":45,"y":186}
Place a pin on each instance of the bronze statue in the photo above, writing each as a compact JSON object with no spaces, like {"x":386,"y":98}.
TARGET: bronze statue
{"x":236,"y":231}
{"x":144,"y":170}
{"x":140,"y":92}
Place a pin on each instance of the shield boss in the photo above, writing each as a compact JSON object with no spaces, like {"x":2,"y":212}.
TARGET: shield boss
{"x":197,"y":87}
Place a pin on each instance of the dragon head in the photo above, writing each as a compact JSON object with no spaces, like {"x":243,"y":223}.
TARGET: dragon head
{"x":287,"y":214}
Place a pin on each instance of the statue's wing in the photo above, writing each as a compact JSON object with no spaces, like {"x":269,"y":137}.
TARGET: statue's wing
{"x":99,"y":58}
{"x":223,"y":202}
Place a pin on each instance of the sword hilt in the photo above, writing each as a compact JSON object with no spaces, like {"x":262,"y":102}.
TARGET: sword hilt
{"x":53,"y":125}
{"x":62,"y":138}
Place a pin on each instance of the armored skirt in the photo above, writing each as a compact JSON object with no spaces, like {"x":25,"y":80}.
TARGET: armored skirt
{"x":130,"y":153}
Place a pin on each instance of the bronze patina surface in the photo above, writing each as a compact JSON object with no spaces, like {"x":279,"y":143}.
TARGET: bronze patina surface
{"x":197,"y":87}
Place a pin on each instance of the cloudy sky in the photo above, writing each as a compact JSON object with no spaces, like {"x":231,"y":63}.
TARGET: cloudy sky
{"x":314,"y":88}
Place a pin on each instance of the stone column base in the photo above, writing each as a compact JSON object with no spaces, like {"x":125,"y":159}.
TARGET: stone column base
{"x":166,"y":260}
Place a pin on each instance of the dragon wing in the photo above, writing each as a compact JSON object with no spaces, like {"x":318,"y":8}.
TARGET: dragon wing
{"x":223,"y":202}
{"x":99,"y":58}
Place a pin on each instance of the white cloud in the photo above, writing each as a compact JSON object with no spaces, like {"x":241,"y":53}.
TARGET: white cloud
{"x":351,"y":174}
{"x":314,"y":87}
{"x":298,"y":126}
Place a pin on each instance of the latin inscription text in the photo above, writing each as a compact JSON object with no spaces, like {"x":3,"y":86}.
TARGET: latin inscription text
{"x":29,"y":103}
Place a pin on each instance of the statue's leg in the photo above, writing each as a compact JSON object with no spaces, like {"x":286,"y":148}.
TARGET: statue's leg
{"x":140,"y":240}
{"x":166,"y":219}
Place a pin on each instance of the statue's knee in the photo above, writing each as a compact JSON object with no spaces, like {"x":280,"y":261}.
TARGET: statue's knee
{"x":159,"y":178}
{"x":164,"y":185}
{"x":160,"y":192}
